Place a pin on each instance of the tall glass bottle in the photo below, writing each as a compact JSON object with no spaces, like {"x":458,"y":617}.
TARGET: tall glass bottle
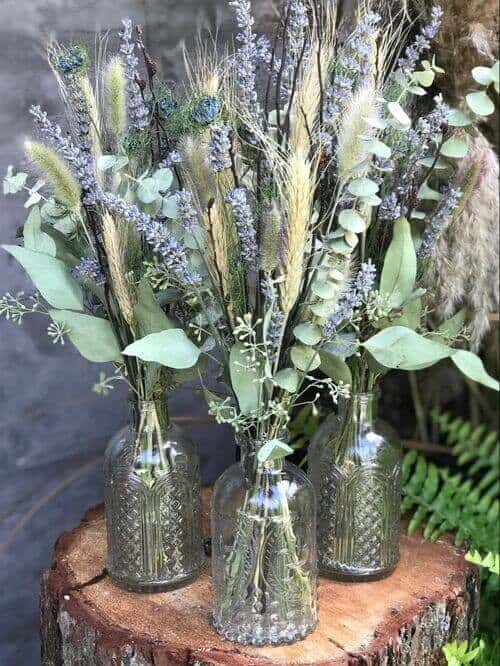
{"x":264,"y":553}
{"x":355,"y":467}
{"x":153,"y":503}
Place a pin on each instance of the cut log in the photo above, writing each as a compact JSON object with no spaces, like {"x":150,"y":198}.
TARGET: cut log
{"x":431,"y":599}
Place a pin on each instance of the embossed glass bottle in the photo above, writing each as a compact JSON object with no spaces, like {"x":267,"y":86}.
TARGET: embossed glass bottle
{"x":153,"y":503}
{"x":264,"y":553}
{"x":355,"y":467}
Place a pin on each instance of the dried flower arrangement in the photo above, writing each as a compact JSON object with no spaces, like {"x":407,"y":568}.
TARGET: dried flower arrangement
{"x":312,"y":198}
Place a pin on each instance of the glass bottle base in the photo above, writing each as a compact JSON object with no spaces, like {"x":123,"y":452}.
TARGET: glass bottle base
{"x":154,"y":587}
{"x":346,"y":575}
{"x":252,"y":634}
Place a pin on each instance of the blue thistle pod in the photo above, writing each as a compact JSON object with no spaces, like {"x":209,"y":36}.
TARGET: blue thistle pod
{"x":206,"y":110}
{"x":167,"y":106}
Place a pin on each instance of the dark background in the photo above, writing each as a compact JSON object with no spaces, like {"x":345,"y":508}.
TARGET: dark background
{"x":53,"y":428}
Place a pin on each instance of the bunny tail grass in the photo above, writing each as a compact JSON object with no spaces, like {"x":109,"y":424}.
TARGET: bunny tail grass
{"x":56,"y":172}
{"x":116,"y":97}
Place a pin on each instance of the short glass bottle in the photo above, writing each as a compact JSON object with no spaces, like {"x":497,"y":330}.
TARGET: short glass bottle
{"x":355,"y":467}
{"x":264,"y":553}
{"x":152,"y":493}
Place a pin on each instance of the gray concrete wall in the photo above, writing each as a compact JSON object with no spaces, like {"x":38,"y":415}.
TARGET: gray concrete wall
{"x":53,"y":429}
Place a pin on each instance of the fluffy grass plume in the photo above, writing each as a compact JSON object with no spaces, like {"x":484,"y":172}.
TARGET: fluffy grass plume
{"x":95,"y":119}
{"x":464,"y":270}
{"x":353,"y":131}
{"x":114,"y":247}
{"x":53,"y":169}
{"x":116,"y":97}
{"x":195,"y":167}
{"x":301,"y":187}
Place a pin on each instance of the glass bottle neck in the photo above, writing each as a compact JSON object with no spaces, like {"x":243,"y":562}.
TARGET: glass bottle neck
{"x":363,"y":407}
{"x":150,"y":415}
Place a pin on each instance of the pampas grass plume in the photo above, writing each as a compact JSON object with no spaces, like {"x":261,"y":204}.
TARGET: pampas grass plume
{"x":300,"y":198}
{"x":116,"y":97}
{"x":56,"y":172}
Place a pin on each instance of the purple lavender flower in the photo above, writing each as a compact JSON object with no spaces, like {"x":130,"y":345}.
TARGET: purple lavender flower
{"x":275,"y":332}
{"x":161,"y":241}
{"x":219,"y":149}
{"x":422,"y":41}
{"x":245,"y":225}
{"x":137,"y":110}
{"x":353,"y":65}
{"x":89,"y":269}
{"x":365,"y":279}
{"x":174,"y":157}
{"x":439,"y":220}
{"x":187,"y":212}
{"x":297,"y":23}
{"x":80,"y":160}
{"x":246,"y":57}
{"x":390,"y":209}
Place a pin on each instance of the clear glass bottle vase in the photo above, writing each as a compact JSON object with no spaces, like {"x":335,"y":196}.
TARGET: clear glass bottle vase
{"x":264,"y":553}
{"x":152,"y":493}
{"x":355,"y":466}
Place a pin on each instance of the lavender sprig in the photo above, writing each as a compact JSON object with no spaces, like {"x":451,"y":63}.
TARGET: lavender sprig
{"x":293,"y":45}
{"x":219,"y":149}
{"x":365,"y":279}
{"x":161,"y":241}
{"x":89,"y":269}
{"x":245,"y":225}
{"x":353,"y":65}
{"x":422,"y":41}
{"x":246,"y":57}
{"x":137,"y":110}
{"x":439,"y":220}
{"x":80,"y":160}
{"x":187,"y":212}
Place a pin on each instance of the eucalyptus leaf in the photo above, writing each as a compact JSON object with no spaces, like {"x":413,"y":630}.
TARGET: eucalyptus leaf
{"x":480,"y":103}
{"x":148,"y":191}
{"x":324,"y":290}
{"x":400,"y":266}
{"x":170,"y":208}
{"x":426,"y":193}
{"x":163,"y":179}
{"x":378,"y":148}
{"x":455,"y":147}
{"x":148,"y":313}
{"x":34,"y":238}
{"x":472,"y":367}
{"x":425,"y":78}
{"x":399,"y":114}
{"x":411,"y":317}
{"x":305,"y":358}
{"x":93,"y":337}
{"x":309,"y":334}
{"x":171,"y":348}
{"x":351,"y":220}
{"x":287,"y":379}
{"x":244,"y":379}
{"x":363,"y":187}
{"x":14,"y":183}
{"x":335,"y":367}
{"x":51,"y":277}
{"x":274,"y":449}
{"x":112,"y":162}
{"x":401,"y":348}
{"x":457,"y":118}
{"x":483,"y":75}
{"x":452,"y":327}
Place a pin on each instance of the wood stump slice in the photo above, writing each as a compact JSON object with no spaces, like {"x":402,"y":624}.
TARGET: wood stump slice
{"x":432,"y":598}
